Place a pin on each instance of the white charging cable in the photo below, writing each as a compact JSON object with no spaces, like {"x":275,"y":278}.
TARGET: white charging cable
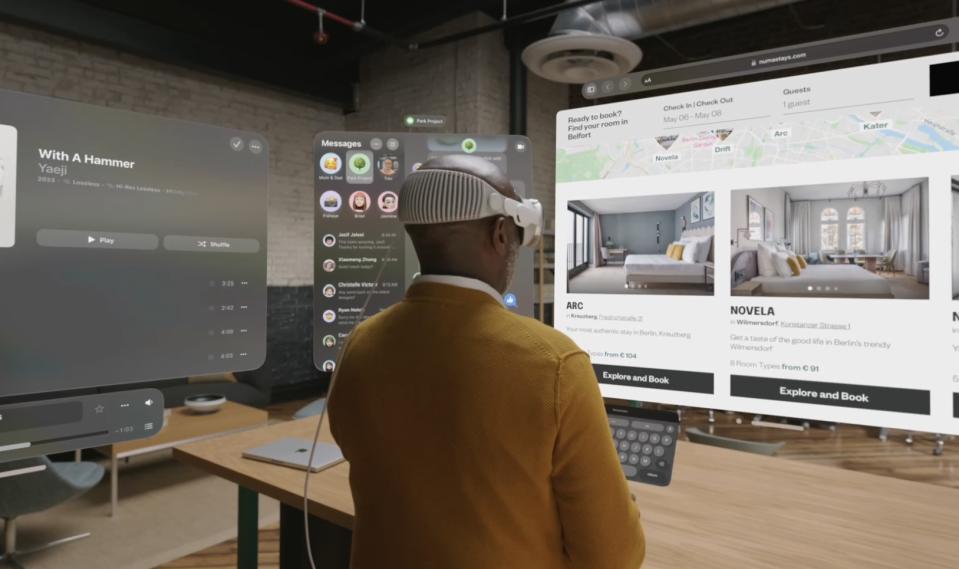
{"x":319,"y":425}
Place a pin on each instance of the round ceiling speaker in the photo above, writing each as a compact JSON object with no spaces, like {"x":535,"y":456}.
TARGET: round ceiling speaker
{"x":581,"y":58}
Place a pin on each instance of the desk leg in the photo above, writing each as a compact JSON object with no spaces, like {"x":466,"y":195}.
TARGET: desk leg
{"x":248,"y":522}
{"x":114,"y":483}
{"x":331,"y":543}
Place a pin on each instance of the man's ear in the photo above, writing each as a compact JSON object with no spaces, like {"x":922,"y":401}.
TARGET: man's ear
{"x":499,"y":234}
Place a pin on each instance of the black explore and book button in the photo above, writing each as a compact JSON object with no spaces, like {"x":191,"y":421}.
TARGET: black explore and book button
{"x":673,"y":380}
{"x":869,"y":397}
{"x":955,"y":405}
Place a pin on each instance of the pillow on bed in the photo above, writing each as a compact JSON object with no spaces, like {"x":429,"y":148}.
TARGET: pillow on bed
{"x":802,"y":262}
{"x":781,"y":263}
{"x":690,"y":251}
{"x":669,"y":250}
{"x":702,"y":251}
{"x":678,"y":252}
{"x":764,"y":260}
{"x":794,"y":265}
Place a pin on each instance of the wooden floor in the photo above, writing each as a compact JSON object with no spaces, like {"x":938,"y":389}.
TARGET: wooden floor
{"x":847,"y":446}
{"x":904,"y":286}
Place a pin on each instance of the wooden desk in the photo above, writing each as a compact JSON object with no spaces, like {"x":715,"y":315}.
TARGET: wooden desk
{"x":617,"y":255}
{"x":724,"y":509}
{"x":870,"y":259}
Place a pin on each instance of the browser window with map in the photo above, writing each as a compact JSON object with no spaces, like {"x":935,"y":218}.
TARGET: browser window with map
{"x":783,"y":247}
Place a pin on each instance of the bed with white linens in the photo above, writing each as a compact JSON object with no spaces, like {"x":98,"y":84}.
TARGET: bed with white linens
{"x":643,"y":270}
{"x":830,"y":280}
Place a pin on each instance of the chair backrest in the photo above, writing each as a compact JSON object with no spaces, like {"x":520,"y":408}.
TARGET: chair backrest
{"x":768,"y":449}
{"x":28,"y":493}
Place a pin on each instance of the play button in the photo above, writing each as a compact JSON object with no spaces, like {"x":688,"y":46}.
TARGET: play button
{"x":97,"y":239}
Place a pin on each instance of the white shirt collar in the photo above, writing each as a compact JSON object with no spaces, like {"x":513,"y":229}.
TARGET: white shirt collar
{"x":462,"y":282}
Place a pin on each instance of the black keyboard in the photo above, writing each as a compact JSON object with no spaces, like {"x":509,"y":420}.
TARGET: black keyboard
{"x":646,"y":442}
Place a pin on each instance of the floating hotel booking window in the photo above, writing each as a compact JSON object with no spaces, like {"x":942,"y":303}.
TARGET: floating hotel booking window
{"x":786,"y":245}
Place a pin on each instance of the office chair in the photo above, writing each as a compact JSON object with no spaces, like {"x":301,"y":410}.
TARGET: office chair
{"x":44,"y":485}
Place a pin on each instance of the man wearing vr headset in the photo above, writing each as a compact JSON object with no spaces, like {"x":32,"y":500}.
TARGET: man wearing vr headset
{"x":477,"y":438}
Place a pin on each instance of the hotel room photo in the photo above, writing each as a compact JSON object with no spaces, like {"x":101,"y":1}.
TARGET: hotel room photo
{"x":858,"y":239}
{"x":654,"y":244}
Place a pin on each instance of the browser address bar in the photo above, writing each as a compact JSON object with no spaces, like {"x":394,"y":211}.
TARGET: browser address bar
{"x":873,"y":43}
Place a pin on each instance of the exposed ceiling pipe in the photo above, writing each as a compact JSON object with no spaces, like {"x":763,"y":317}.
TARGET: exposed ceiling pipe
{"x":636,"y":19}
{"x":360,"y":26}
{"x":596,"y":41}
{"x":524,"y":18}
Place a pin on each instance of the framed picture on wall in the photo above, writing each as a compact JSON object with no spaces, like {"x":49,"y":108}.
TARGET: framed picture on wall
{"x":694,"y":211}
{"x":769,"y":230}
{"x":709,"y":205}
{"x":754,"y":219}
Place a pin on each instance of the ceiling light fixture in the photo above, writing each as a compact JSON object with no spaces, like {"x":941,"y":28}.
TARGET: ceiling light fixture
{"x":874,"y":189}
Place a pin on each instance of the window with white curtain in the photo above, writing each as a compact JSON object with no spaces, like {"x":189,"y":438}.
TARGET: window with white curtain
{"x":829,"y":229}
{"x":856,"y":229}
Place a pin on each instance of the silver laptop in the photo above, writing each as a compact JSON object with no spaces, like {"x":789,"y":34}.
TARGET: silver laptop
{"x":296,"y":452}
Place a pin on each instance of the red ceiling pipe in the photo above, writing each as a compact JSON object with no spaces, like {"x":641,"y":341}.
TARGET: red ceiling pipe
{"x":326,"y":14}
{"x":361,"y":27}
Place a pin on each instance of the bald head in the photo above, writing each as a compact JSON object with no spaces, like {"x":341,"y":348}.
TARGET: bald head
{"x":483,"y":249}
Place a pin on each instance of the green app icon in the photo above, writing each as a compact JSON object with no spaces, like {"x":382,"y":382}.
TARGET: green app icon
{"x":468,"y":146}
{"x":360,"y":164}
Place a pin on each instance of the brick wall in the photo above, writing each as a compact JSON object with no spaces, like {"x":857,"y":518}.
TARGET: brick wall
{"x":46,"y":64}
{"x":468,"y":83}
{"x":545,"y":100}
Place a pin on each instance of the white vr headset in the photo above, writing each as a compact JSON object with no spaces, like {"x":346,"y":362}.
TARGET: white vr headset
{"x":446,"y":196}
